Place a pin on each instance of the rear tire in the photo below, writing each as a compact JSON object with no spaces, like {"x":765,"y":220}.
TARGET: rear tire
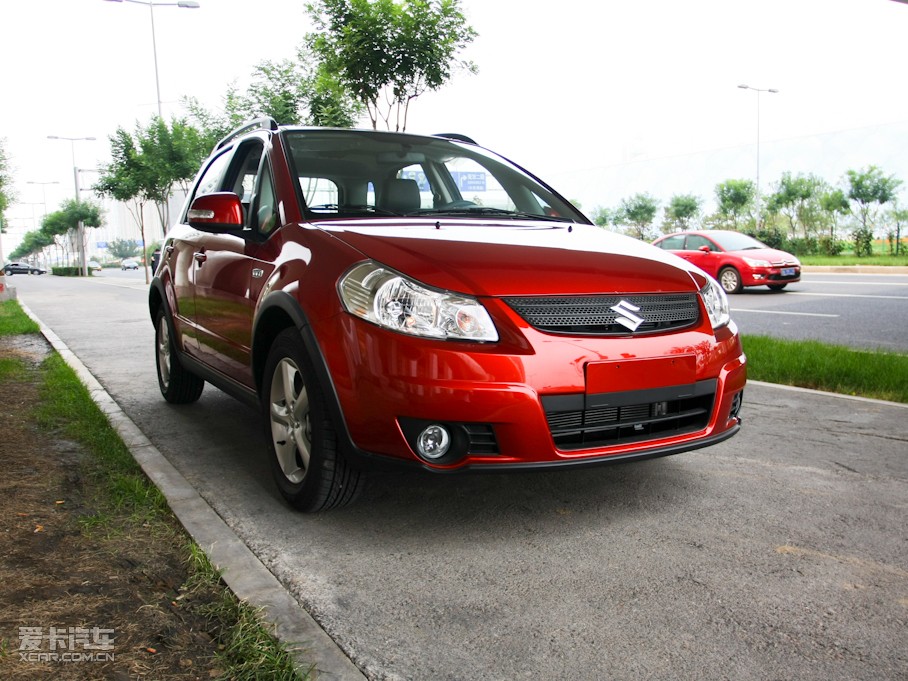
{"x":730,"y":280}
{"x":310,"y":472}
{"x":177,"y":385}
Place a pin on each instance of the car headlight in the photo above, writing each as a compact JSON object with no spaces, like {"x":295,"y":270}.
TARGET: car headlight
{"x":389,"y":299}
{"x":716,"y":303}
{"x":757,"y":263}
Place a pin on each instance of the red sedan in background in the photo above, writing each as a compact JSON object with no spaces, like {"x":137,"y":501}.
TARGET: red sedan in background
{"x":734,"y":259}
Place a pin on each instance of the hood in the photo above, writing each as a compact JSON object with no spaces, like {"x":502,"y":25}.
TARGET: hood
{"x":511,"y":258}
{"x":768,"y":254}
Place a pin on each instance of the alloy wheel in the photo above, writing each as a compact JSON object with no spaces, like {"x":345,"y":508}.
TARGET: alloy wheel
{"x":291,"y":428}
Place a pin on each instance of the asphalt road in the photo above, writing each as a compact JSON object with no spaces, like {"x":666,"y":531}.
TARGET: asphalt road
{"x":779,"y":554}
{"x":859,"y":310}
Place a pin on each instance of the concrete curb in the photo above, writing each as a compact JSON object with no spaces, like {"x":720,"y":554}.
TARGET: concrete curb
{"x":811,"y":391}
{"x":242,"y":571}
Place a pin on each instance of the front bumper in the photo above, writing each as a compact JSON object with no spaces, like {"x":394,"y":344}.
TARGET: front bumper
{"x":514,"y":404}
{"x":772,"y":275}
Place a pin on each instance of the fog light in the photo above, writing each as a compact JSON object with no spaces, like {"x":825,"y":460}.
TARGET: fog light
{"x":433,"y":442}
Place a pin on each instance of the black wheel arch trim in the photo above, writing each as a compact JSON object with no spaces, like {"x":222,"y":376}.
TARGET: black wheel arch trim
{"x":288,"y":305}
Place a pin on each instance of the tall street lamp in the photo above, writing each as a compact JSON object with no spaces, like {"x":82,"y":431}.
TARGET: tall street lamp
{"x":184,"y":4}
{"x":72,"y":142}
{"x":758,"y":91}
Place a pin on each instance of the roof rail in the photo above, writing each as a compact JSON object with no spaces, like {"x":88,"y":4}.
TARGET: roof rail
{"x":257,"y":124}
{"x":455,"y":136}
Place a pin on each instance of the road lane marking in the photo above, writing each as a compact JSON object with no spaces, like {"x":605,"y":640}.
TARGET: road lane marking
{"x":793,"y":314}
{"x":858,"y":283}
{"x":843,"y":295}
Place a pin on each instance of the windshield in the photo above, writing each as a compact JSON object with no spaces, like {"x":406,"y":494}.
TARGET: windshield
{"x":733,"y":241}
{"x":355,"y":173}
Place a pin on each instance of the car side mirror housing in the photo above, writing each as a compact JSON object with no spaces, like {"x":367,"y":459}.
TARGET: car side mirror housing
{"x":218,"y":212}
{"x":705,"y":249}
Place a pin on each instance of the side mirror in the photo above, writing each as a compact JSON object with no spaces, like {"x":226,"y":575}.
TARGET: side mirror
{"x":218,"y":212}
{"x":705,"y":249}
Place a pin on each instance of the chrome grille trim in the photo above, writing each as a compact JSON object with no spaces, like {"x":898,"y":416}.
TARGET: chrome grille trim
{"x":591,"y":315}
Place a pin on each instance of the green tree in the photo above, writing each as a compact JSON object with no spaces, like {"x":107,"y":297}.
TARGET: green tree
{"x":797,"y":198}
{"x":32,"y":242}
{"x":387,"y":53}
{"x":734,"y":199}
{"x":129,"y":179}
{"x":868,"y":190}
{"x":124,"y":248}
{"x":833,"y":205}
{"x":146,"y":166}
{"x":638,"y":212}
{"x":603,"y":217}
{"x":682,"y":210}
{"x":899,"y":217}
{"x":300,"y":91}
{"x":61,"y":227}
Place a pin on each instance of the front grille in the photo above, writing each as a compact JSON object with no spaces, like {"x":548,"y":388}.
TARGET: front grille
{"x":606,"y":419}
{"x":593,"y":314}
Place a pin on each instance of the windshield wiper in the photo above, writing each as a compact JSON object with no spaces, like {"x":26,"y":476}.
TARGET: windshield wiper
{"x":488,"y":210}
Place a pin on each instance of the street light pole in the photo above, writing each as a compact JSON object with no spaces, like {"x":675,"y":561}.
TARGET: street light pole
{"x":81,"y":230}
{"x":183,"y":4}
{"x":758,"y":91}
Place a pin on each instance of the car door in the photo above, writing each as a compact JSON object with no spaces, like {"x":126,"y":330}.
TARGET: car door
{"x":701,"y":252}
{"x":229,"y":271}
{"x":183,"y":242}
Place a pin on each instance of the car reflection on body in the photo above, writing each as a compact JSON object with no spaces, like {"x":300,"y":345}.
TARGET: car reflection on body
{"x":736,"y":260}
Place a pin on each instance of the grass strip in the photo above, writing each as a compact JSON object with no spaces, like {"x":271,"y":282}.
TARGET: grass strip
{"x":123,"y":497}
{"x":848,"y":260}
{"x":244,"y":651}
{"x":13,"y":321}
{"x":810,"y":364}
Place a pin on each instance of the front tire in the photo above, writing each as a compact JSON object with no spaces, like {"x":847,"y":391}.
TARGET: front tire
{"x":776,"y":287}
{"x":309,"y":471}
{"x":178,"y":386}
{"x":730,"y":280}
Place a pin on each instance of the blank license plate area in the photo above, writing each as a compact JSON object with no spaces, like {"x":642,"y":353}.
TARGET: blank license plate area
{"x":640,"y":374}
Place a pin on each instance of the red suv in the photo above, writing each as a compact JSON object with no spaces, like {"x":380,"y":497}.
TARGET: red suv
{"x":386,"y":297}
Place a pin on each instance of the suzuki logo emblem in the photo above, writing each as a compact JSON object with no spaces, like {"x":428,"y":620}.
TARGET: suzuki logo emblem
{"x":626,"y":316}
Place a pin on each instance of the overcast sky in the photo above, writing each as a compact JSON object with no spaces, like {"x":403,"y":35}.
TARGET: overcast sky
{"x":601,"y":99}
